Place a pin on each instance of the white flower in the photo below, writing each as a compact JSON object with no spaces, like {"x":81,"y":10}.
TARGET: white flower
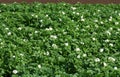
{"x":77,"y":49}
{"x":1,"y":43}
{"x":64,"y":4}
{"x":108,"y":32}
{"x":101,"y":50}
{"x":110,"y":19}
{"x":97,"y":60}
{"x":74,"y":12}
{"x":93,"y":39}
{"x":78,"y":56}
{"x":7,"y":28}
{"x":95,"y":20}
{"x":84,"y":55}
{"x":63,"y":13}
{"x":54,"y":46}
{"x":13,"y":56}
{"x":105,"y":64}
{"x":36,"y":16}
{"x":41,"y":20}
{"x":21,"y":54}
{"x":111,"y":28}
{"x":46,"y":15}
{"x":39,"y":66}
{"x":81,"y":16}
{"x":19,"y":28}
{"x":4,"y":4}
{"x":111,"y":44}
{"x":24,"y":40}
{"x":73,"y":8}
{"x":116,"y":23}
{"x":111,"y":59}
{"x":101,"y":22}
{"x":15,"y":71}
{"x":82,"y":43}
{"x":47,"y":53}
{"x":107,"y":40}
{"x":66,"y":44}
{"x":82,"y":19}
{"x":36,"y":31}
{"x":49,"y":29}
{"x":98,"y":10}
{"x":60,"y":19}
{"x":115,"y":68}
{"x":32,"y":14}
{"x":78,"y":13}
{"x":53,"y":36}
{"x":9,"y":33}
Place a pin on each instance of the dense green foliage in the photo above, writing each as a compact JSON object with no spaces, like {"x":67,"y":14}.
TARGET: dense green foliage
{"x":59,"y":40}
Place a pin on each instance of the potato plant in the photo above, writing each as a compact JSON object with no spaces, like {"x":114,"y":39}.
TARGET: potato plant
{"x":59,"y":40}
